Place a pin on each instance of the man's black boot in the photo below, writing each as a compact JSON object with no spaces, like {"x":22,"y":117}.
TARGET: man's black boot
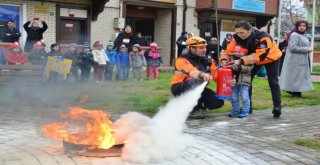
{"x":276,"y":112}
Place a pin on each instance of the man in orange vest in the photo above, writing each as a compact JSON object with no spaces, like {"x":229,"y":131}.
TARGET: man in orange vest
{"x":192,"y":69}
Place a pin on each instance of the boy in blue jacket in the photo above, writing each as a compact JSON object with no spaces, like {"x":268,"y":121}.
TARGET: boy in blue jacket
{"x":112,"y":55}
{"x":122,"y":63}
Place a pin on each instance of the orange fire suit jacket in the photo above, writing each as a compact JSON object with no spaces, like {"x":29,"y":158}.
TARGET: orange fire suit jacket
{"x":184,"y":67}
{"x":266,"y":52}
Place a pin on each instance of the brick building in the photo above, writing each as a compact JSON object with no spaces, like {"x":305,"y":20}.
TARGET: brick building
{"x":158,"y":20}
{"x":67,"y":21}
{"x":257,"y":12}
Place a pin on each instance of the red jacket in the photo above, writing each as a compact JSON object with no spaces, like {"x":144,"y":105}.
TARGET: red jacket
{"x":15,"y":58}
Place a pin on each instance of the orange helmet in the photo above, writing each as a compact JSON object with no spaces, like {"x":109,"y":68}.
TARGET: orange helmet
{"x":196,"y":41}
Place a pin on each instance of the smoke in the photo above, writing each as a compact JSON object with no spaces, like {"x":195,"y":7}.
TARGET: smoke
{"x":159,"y":138}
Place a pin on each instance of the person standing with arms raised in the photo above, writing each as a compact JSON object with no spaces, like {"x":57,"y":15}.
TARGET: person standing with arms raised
{"x":262,"y":50}
{"x":34,"y":32}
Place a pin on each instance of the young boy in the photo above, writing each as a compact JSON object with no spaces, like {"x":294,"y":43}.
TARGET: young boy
{"x":37,"y":56}
{"x":111,"y":54}
{"x":122,"y":63}
{"x":15,"y":56}
{"x":243,"y":78}
{"x":136,"y":61}
{"x":86,"y":59}
{"x":73,"y":55}
{"x":55,"y":52}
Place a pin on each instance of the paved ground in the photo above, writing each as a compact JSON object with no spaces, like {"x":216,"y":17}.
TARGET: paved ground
{"x":260,"y":140}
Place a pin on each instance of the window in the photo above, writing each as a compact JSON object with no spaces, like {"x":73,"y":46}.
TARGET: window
{"x":8,"y":12}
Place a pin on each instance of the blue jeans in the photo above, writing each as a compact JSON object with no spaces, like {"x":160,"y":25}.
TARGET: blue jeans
{"x":123,"y":73}
{"x":242,"y":90}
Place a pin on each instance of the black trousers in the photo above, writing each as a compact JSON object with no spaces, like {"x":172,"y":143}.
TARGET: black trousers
{"x":273,"y":80}
{"x":85,"y":73}
{"x":208,"y":99}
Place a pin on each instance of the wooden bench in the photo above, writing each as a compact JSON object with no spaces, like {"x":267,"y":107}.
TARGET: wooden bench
{"x":21,"y":74}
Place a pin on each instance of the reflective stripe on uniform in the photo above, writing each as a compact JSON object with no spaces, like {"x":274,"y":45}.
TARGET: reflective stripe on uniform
{"x":247,"y":60}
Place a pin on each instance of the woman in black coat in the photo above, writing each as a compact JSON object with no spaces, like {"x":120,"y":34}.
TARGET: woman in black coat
{"x":34,"y":33}
{"x":126,"y":37}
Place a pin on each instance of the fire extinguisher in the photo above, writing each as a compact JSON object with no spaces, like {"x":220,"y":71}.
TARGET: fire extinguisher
{"x":224,"y":91}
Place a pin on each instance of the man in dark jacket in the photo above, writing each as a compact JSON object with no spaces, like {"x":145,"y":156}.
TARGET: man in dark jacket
{"x":212,"y":50}
{"x":181,"y":42}
{"x":10,"y":33}
{"x":141,"y":40}
{"x":34,"y":33}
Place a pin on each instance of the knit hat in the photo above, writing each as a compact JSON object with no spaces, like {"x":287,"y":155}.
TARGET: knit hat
{"x":122,"y":46}
{"x":110,"y":43}
{"x":153,"y":45}
{"x":14,"y":45}
{"x":98,"y":43}
{"x":86,"y":45}
{"x":137,"y":46}
{"x":43,"y":43}
{"x":38,"y":43}
{"x":184,"y":32}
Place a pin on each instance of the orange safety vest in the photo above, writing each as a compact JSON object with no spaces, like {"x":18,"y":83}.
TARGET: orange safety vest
{"x":266,"y":51}
{"x":185,"y":65}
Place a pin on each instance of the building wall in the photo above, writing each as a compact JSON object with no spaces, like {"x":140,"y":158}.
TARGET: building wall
{"x":271,"y":6}
{"x":50,"y":34}
{"x":191,"y":19}
{"x":162,"y":34}
{"x":102,"y":29}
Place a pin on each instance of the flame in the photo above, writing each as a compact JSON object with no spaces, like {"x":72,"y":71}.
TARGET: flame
{"x":96,"y":128}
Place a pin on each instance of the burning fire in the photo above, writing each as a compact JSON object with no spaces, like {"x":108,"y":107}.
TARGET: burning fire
{"x":96,"y":131}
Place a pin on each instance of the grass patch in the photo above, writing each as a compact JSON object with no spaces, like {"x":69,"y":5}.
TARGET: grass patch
{"x":142,"y":96}
{"x":316,"y":69}
{"x":310,"y":142}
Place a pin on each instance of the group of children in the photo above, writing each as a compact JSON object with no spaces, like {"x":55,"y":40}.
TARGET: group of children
{"x":103,"y":61}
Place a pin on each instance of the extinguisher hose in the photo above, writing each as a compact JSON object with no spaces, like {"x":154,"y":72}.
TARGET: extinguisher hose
{"x":214,"y":71}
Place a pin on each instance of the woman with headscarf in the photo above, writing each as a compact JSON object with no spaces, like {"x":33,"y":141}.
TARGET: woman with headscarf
{"x":126,"y":38}
{"x":34,"y":32}
{"x":295,"y":76}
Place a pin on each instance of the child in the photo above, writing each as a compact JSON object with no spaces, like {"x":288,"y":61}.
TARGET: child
{"x":86,"y":61}
{"x":55,"y":52}
{"x":154,"y":59}
{"x":122,"y":63}
{"x":14,"y":56}
{"x":100,"y":60}
{"x":243,"y":77}
{"x":136,"y":61}
{"x":37,"y":56}
{"x":111,"y":54}
{"x":73,"y":55}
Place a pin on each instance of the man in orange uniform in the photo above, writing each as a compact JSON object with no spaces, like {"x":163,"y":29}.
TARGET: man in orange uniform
{"x":192,"y":69}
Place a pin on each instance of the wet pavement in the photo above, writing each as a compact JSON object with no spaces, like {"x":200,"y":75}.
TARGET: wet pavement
{"x":259,"y":139}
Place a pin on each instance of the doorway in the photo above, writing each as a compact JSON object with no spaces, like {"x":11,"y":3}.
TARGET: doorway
{"x":72,"y":31}
{"x":145,"y":26}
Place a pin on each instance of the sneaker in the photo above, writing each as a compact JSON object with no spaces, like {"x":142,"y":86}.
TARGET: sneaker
{"x":243,"y":114}
{"x":233,"y":114}
{"x":196,"y":115}
{"x":276,"y":112}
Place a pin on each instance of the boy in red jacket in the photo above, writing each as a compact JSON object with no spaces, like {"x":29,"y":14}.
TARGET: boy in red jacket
{"x":15,"y":56}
